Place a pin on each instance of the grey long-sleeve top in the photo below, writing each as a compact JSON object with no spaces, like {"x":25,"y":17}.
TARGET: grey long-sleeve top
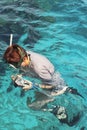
{"x":39,"y":67}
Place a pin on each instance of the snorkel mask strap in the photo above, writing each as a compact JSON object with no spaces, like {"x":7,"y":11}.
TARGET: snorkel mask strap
{"x":22,"y":54}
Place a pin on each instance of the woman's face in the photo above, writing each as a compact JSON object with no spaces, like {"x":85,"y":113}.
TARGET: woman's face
{"x":25,"y":62}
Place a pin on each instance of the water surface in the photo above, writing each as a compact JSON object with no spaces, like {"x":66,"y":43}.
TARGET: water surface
{"x":58,"y":30}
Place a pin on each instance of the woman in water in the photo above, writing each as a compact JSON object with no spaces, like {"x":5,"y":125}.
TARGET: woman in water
{"x":36,"y":66}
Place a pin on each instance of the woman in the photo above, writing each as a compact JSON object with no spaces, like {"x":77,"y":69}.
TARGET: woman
{"x":37,"y":66}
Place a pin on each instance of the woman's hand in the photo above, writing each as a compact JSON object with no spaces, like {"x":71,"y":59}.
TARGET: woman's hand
{"x":27,"y":87}
{"x":21,"y":82}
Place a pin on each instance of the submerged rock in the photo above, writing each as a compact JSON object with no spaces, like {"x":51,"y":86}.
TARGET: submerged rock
{"x":62,"y":115}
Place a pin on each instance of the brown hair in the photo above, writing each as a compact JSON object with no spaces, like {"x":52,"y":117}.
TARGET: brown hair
{"x":14,"y":54}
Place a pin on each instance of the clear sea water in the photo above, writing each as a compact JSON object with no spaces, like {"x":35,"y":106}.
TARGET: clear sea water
{"x":58,"y":30}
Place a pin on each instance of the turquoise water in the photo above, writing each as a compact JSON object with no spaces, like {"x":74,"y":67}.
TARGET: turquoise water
{"x":58,"y":30}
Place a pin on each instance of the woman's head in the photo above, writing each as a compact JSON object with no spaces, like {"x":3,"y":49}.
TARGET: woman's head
{"x":15,"y":55}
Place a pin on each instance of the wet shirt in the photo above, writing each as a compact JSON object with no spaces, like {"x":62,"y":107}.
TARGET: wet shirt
{"x":41,"y":67}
